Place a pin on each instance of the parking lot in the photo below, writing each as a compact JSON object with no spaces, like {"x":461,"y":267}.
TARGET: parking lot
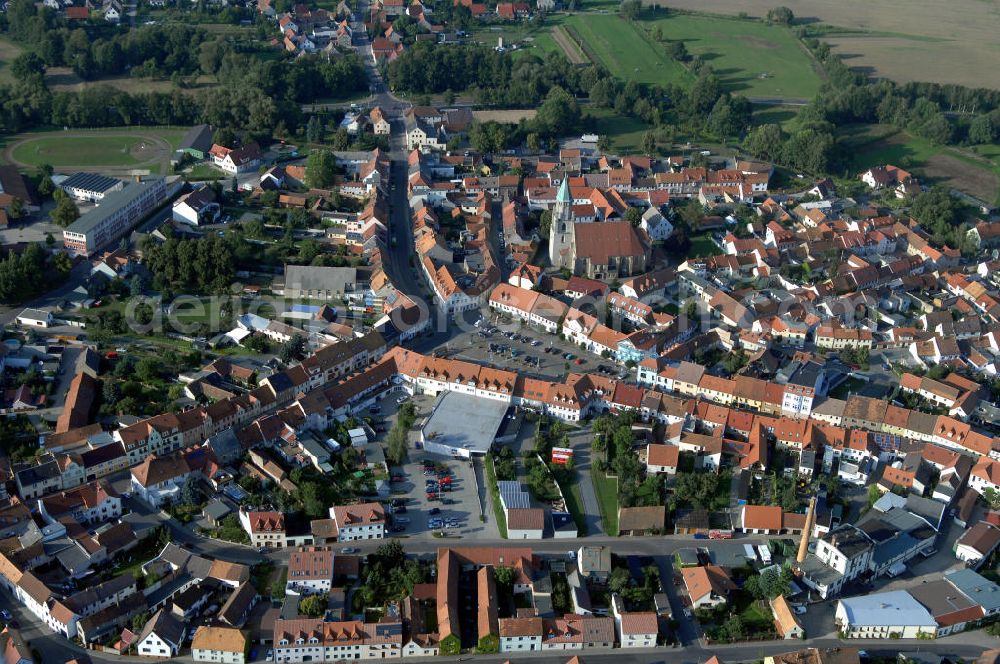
{"x":526,"y":350}
{"x":456,"y":513}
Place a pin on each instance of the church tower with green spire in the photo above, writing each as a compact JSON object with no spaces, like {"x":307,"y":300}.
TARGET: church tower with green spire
{"x":561,"y":231}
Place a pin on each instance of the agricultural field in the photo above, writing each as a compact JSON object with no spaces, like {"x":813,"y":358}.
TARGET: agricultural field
{"x":905,"y":40}
{"x":123,"y":149}
{"x":623,"y":51}
{"x":750,"y":58}
{"x":976,"y":171}
{"x":8,"y":51}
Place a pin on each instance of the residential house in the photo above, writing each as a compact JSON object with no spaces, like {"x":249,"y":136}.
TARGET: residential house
{"x":236,"y":160}
{"x":785,"y":622}
{"x":197,"y":207}
{"x":649,"y":520}
{"x":662,"y":458}
{"x":226,"y":645}
{"x":310,"y":571}
{"x":707,"y":586}
{"x":359,"y":522}
{"x":977,"y":544}
{"x":161,"y":637}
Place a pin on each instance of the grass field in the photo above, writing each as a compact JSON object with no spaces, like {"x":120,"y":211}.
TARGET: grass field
{"x":205,"y":172}
{"x":122,"y":148}
{"x":624,"y":133}
{"x":906,"y":40}
{"x":624,"y":52}
{"x":702,"y":245}
{"x":606,"y":490}
{"x":975,"y":171}
{"x":81,"y":151}
{"x":750,"y":58}
{"x":8,"y":51}
{"x":62,"y":79}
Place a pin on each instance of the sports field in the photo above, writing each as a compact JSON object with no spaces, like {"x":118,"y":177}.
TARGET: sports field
{"x":905,"y":40}
{"x":751,"y":58}
{"x":623,"y":51}
{"x":109,"y":150}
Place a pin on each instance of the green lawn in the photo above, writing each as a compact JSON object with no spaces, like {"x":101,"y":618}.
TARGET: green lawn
{"x":491,"y":482}
{"x":624,"y":133}
{"x":702,"y":245}
{"x":606,"y":489}
{"x":974,"y":170}
{"x":204,"y":172}
{"x":779,"y":115}
{"x":751,"y":58}
{"x":8,"y":51}
{"x":624,"y":52}
{"x":846,"y":388}
{"x":574,"y":503}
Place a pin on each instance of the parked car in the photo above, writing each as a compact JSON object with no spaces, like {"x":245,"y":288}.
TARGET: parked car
{"x":435,"y":510}
{"x":348,"y":550}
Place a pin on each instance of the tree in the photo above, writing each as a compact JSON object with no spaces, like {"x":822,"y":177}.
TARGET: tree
{"x":293,"y":349}
{"x":545,"y":223}
{"x":992,"y":498}
{"x":781,"y":15}
{"x":633,"y":216}
{"x":630,"y":9}
{"x":619,"y":580}
{"x":937,"y":211}
{"x":46,"y":186}
{"x":313,"y":606}
{"x":765,"y":141}
{"x":321,"y":169}
{"x":65,"y":212}
{"x":396,"y":444}
{"x":504,"y":576}
{"x":189,"y":494}
{"x":649,"y":142}
{"x":558,"y":115}
{"x":148,"y":369}
{"x":110,"y":392}
{"x":734,"y":628}
{"x":139,"y":621}
{"x":27,"y":65}
{"x":314,"y":129}
{"x":735,"y":361}
{"x":16,"y":208}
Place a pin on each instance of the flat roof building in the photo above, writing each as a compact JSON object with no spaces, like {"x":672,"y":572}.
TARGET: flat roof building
{"x":117,"y":213}
{"x":462,"y":425}
{"x":886,"y":615}
{"x":90,"y":186}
